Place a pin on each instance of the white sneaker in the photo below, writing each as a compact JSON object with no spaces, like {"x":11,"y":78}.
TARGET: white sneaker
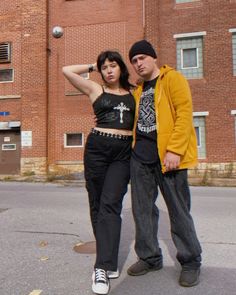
{"x":101,"y":283}
{"x":113,"y":274}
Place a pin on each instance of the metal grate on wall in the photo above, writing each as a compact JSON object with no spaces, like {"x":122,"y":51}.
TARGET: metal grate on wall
{"x":5,"y":52}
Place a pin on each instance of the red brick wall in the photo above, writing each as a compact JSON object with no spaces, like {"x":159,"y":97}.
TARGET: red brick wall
{"x":10,"y":24}
{"x":216,"y":92}
{"x":95,"y":25}
{"x":24,"y":23}
{"x":89,"y":28}
{"x":34,"y":75}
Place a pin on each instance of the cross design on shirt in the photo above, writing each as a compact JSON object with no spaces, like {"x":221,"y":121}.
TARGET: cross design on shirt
{"x":121,"y":107}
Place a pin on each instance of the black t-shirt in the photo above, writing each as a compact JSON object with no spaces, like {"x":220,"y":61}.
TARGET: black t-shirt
{"x":115,"y":111}
{"x":145,"y":149}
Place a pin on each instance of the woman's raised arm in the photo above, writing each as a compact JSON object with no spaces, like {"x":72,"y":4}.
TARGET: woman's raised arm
{"x":88,"y":87}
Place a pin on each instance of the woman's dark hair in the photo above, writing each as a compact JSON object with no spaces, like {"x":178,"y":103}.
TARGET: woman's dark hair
{"x":115,"y":56}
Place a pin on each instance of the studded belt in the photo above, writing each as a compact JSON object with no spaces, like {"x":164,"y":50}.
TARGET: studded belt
{"x":111,"y":135}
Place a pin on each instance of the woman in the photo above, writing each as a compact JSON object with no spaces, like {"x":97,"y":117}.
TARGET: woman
{"x":106,"y":157}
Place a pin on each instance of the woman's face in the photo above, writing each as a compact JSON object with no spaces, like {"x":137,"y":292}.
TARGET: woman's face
{"x":110,"y":71}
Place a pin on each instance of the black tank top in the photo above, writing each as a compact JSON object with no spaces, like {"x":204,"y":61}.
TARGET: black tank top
{"x":114,"y":111}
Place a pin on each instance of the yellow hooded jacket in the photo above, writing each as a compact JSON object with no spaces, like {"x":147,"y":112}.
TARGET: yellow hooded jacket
{"x":173,"y":106}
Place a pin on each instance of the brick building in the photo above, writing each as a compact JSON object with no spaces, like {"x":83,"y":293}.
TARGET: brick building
{"x":44,"y":121}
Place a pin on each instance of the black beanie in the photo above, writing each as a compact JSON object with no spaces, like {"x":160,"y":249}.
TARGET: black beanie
{"x":142,"y":47}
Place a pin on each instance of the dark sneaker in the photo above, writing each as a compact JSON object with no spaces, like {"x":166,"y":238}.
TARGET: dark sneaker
{"x":100,"y":281}
{"x":141,"y":268}
{"x":189,"y":277}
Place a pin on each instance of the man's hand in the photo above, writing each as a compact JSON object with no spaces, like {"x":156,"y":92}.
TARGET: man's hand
{"x":171,"y":161}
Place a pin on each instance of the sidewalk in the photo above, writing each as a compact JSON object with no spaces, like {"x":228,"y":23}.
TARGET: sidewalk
{"x":41,"y":223}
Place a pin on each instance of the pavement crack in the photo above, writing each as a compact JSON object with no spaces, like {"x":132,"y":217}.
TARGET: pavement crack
{"x":219,"y":243}
{"x":46,"y":233}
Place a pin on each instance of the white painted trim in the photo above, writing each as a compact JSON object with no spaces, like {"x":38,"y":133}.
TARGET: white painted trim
{"x":200,"y":114}
{"x":187,"y":35}
{"x":233,"y":112}
{"x":232,"y":30}
{"x":9,"y":96}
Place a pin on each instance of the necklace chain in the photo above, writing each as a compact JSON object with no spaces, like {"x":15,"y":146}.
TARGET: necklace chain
{"x":117,"y":90}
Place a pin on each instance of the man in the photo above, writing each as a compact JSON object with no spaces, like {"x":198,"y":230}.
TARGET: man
{"x":164,"y":147}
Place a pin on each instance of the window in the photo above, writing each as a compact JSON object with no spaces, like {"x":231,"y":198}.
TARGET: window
{"x":233,"y":112}
{"x":5,"y":52}
{"x":234,"y":50}
{"x":73,"y":140}
{"x":189,"y":51}
{"x":198,"y":135}
{"x":189,"y":58}
{"x":200,"y":129}
{"x":6,"y":75}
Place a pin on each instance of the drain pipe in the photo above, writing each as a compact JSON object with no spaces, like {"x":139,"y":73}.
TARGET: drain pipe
{"x":144,"y":19}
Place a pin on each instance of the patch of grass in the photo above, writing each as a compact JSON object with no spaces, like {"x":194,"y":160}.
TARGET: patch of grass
{"x":29,"y":173}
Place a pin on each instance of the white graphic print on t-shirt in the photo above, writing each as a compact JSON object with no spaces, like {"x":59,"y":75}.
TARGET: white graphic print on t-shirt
{"x":121,"y":107}
{"x":147,"y":117}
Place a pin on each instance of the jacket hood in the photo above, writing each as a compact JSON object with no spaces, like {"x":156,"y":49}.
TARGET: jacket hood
{"x":164,"y":70}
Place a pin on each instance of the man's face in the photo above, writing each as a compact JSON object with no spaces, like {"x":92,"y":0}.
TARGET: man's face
{"x":144,"y":65}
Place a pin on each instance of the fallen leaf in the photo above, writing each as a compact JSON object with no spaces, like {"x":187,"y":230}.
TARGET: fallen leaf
{"x":43,"y":244}
{"x":79,"y":244}
{"x":35,"y":292}
{"x":44,"y":258}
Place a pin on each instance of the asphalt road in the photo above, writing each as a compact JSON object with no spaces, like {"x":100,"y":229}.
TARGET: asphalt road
{"x":41,"y":223}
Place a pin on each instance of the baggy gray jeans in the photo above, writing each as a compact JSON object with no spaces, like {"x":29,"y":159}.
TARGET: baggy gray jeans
{"x":145,"y":180}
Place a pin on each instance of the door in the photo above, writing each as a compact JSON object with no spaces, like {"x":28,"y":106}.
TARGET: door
{"x":10,"y":152}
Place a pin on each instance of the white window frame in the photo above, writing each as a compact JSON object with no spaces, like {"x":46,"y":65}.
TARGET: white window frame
{"x":6,"y":147}
{"x":182,"y":59}
{"x":73,"y":146}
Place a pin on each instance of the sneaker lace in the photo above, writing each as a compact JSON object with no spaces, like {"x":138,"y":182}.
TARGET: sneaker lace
{"x":101,"y":276}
